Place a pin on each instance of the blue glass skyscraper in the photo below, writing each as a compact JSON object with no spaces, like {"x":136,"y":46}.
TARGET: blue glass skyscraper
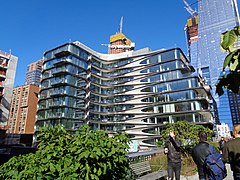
{"x":215,"y":17}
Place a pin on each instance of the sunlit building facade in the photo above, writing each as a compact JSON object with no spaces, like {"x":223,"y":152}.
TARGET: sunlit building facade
{"x":8,"y":65}
{"x":135,"y":91}
{"x":22,"y":115}
{"x":214,"y":17}
{"x":222,"y":131}
{"x":33,"y":74}
{"x":234,"y":101}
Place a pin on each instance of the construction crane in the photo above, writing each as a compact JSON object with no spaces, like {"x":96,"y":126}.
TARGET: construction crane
{"x":121,"y":25}
{"x":189,"y":8}
{"x":119,"y":36}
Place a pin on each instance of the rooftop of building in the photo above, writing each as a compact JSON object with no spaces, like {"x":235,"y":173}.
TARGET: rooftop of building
{"x":6,"y":55}
{"x":129,"y":54}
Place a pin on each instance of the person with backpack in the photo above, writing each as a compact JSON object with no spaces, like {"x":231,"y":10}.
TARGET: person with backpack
{"x":231,"y":152}
{"x":200,"y":153}
{"x":172,"y":149}
{"x":221,"y":144}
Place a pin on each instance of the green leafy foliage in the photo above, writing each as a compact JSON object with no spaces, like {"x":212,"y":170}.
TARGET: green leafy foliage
{"x":89,"y":154}
{"x":228,"y":39}
{"x":232,"y":60}
{"x":230,"y":79}
{"x":186,"y":132}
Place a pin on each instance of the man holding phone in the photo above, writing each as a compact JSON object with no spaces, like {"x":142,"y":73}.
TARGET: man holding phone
{"x":172,"y":149}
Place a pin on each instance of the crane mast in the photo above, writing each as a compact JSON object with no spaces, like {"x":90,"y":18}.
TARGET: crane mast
{"x":189,"y":8}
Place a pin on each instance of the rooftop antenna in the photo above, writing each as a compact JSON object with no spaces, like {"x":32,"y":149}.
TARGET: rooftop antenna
{"x":121,"y":25}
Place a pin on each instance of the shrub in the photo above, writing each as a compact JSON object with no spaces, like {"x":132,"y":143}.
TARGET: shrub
{"x":89,"y":154}
{"x":186,"y":132}
{"x":159,"y":162}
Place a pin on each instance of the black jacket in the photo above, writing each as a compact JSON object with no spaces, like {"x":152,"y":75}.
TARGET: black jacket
{"x":221,"y":144}
{"x":199,"y":153}
{"x":231,"y":154}
{"x":174,"y":154}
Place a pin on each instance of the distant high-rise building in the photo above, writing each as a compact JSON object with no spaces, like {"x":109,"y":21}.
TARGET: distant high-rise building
{"x":8,"y":65}
{"x":222,"y":131}
{"x":23,"y":109}
{"x":192,"y":43}
{"x":192,"y":37}
{"x":33,"y":74}
{"x":214,"y":17}
{"x":132,"y":91}
{"x":234,"y":101}
{"x":119,"y":43}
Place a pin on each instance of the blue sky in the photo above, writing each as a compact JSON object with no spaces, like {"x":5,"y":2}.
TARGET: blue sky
{"x":30,"y":27}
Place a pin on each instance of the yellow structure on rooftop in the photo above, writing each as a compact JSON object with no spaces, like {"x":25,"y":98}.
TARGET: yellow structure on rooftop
{"x":120,"y":36}
{"x":192,"y":21}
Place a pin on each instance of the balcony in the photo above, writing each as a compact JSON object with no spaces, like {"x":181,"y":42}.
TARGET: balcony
{"x":3,"y":65}
{"x":61,"y":62}
{"x":62,"y":54}
{"x":42,"y":109}
{"x":80,"y":105}
{"x":43,"y":96}
{"x":59,"y":72}
{"x":56,"y":116}
{"x":59,"y":83}
{"x":79,"y":93}
{"x":57,"y":105}
{"x":81,"y":84}
{"x":202,"y":97}
{"x":82,"y":75}
{"x":2,"y":75}
{"x":81,"y":96}
{"x":58,"y":93}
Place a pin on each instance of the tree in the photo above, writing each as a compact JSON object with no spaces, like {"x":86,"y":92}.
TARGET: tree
{"x":230,"y":75}
{"x":89,"y":154}
{"x":186,"y":132}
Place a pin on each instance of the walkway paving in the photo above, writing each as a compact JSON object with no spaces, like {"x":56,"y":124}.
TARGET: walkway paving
{"x":195,"y":177}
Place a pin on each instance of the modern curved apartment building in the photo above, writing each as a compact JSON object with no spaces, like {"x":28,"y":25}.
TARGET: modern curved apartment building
{"x":134,"y":91}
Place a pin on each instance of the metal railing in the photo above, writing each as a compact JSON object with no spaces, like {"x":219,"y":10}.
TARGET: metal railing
{"x":144,"y":155}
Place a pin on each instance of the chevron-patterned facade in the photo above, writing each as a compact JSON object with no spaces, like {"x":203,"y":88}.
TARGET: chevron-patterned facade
{"x":136,"y":91}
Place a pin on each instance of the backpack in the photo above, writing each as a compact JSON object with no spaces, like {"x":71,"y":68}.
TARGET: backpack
{"x":215,"y":166}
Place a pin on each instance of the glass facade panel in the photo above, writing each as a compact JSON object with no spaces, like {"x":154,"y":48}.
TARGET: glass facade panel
{"x":62,"y":97}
